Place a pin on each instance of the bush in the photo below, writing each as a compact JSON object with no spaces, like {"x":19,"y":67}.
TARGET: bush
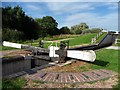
{"x":95,"y":30}
{"x":64,"y":30}
{"x":12,"y":35}
{"x":86,"y":31}
{"x":78,"y":31}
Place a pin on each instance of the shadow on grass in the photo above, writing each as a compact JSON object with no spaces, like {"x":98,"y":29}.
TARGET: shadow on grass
{"x":96,"y":62}
{"x":100,"y":63}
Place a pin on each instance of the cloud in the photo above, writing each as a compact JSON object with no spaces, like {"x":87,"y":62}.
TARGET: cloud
{"x":32,"y":7}
{"x":60,"y":8}
{"x":103,"y":15}
{"x":60,"y":1}
{"x":109,"y":21}
{"x":112,"y":5}
{"x":35,"y":10}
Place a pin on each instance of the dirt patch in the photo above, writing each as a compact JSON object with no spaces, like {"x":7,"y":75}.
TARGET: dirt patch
{"x":73,"y":67}
{"x":14,"y":53}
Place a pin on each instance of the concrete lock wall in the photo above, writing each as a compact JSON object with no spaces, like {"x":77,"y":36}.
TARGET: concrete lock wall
{"x":41,"y":62}
{"x":11,"y":65}
{"x":15,"y":64}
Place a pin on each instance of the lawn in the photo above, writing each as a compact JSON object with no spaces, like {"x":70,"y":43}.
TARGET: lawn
{"x":7,"y":48}
{"x":83,"y":39}
{"x":78,"y":39}
{"x":106,"y":59}
{"x":13,"y":84}
{"x":100,"y":38}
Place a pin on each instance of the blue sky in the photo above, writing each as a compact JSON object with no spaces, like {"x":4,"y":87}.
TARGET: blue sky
{"x":95,"y":14}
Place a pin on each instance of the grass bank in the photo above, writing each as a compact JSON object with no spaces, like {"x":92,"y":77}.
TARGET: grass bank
{"x":106,"y":59}
{"x":6,"y":48}
{"x":13,"y":84}
{"x":78,"y":39}
{"x":83,"y":39}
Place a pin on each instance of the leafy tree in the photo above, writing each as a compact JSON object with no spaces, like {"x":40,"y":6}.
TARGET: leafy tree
{"x":15,"y":18}
{"x":12,"y":35}
{"x":77,"y":29}
{"x":47,"y":25}
{"x":64,"y":30}
{"x":83,"y":26}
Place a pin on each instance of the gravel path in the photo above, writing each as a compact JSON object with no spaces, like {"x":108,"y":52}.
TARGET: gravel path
{"x":114,"y":47}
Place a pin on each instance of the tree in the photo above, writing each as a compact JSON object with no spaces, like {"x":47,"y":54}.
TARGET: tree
{"x":12,"y":35}
{"x":47,"y":25}
{"x":64,"y":30}
{"x":15,"y":18}
{"x":77,"y":29}
{"x":83,"y":26}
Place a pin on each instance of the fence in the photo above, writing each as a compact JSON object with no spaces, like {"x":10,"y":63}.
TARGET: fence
{"x":94,"y":39}
{"x":117,"y":41}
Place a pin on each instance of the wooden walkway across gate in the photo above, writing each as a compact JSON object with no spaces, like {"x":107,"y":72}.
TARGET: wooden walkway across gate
{"x":71,"y":77}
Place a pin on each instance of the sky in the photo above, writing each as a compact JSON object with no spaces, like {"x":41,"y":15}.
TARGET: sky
{"x":95,"y":14}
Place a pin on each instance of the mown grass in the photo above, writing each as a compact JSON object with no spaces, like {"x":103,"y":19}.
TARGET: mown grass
{"x":6,"y":48}
{"x":13,"y":84}
{"x":83,"y":39}
{"x":106,"y":59}
{"x":78,"y":39}
{"x":100,"y":38}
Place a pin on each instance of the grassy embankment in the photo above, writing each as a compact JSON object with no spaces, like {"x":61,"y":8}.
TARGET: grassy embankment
{"x":77,"y":40}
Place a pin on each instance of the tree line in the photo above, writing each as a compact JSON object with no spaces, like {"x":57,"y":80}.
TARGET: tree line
{"x":16,"y":26}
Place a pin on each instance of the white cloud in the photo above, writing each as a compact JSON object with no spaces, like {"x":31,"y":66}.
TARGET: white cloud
{"x":109,"y":21}
{"x":60,"y":8}
{"x":60,"y":0}
{"x":32,"y":7}
{"x":112,"y":5}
